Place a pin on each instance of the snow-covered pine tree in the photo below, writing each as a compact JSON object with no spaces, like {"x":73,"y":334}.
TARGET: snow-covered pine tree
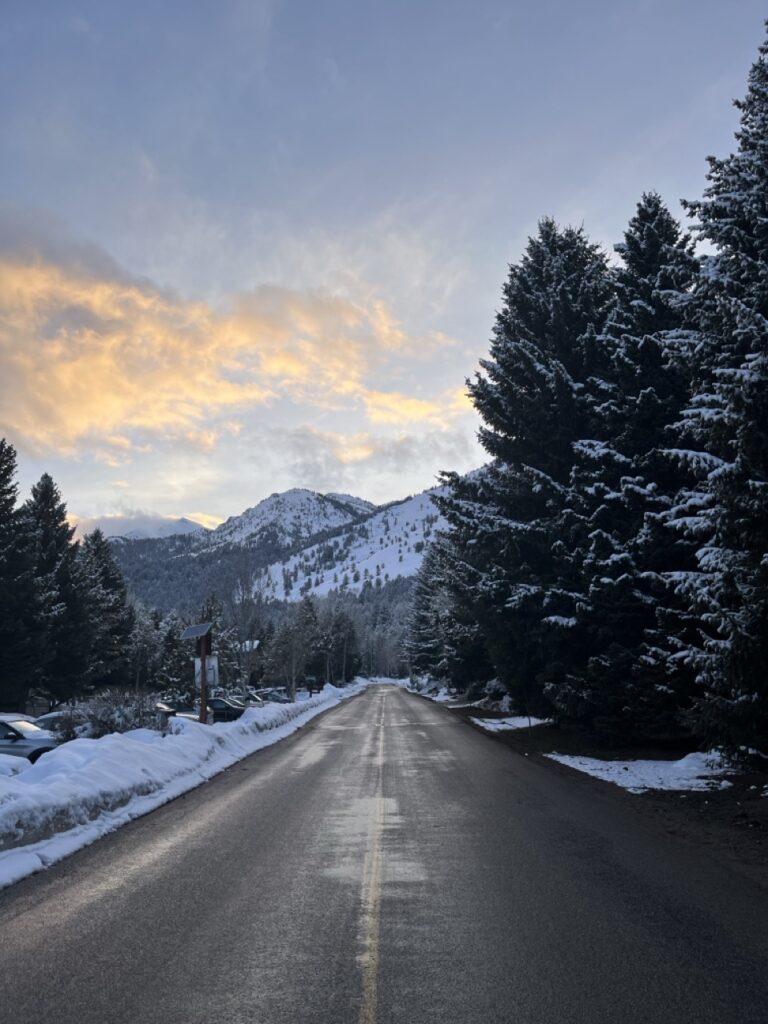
{"x":176,"y":670}
{"x":110,"y":611}
{"x":146,"y":647}
{"x":69,"y":635}
{"x":424,"y":644}
{"x":503,"y":520}
{"x":49,"y":514}
{"x":22,"y":602}
{"x":294,"y":651}
{"x":726,"y":425}
{"x":619,"y":478}
{"x":443,"y":639}
{"x":341,"y":646}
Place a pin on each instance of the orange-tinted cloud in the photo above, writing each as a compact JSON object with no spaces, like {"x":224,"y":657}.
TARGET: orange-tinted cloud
{"x":91,"y":357}
{"x":82,"y":356}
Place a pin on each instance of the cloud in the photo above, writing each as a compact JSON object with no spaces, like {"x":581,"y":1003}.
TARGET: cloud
{"x":366,"y":463}
{"x":132,"y":521}
{"x":397,"y":408}
{"x":91,"y":356}
{"x":210,"y":522}
{"x":83,"y":356}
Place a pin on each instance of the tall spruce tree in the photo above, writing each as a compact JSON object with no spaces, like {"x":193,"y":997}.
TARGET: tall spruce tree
{"x":443,"y":639}
{"x":725,"y":431}
{"x":176,"y":670}
{"x":22,"y":601}
{"x":504,"y":520}
{"x":619,"y":478}
{"x":110,"y":611}
{"x":425,"y":642}
{"x":69,"y":638}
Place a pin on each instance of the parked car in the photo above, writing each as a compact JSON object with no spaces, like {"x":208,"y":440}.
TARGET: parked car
{"x":275,"y":696}
{"x":25,"y":739}
{"x":250,"y":700}
{"x":225,"y":709}
{"x":64,"y":719}
{"x":178,"y":709}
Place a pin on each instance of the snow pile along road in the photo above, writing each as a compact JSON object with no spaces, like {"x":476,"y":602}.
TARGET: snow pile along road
{"x":86,"y":788}
{"x":696,"y":771}
{"x":515,"y":722}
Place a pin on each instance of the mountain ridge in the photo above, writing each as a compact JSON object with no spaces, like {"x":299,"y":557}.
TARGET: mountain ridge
{"x":289,"y":544}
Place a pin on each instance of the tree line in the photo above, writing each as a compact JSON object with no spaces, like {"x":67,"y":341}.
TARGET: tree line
{"x":609,"y":565}
{"x":70,"y":628}
{"x":67,"y":624}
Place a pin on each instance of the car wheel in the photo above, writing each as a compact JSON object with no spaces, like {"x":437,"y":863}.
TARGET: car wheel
{"x":37,"y":754}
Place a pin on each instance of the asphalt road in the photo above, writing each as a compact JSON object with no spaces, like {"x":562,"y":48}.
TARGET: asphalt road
{"x":387,"y":865}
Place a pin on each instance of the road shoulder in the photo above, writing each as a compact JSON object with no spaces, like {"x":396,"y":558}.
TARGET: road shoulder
{"x":731,"y":824}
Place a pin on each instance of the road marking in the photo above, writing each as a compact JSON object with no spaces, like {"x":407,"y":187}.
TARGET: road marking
{"x":372,"y":888}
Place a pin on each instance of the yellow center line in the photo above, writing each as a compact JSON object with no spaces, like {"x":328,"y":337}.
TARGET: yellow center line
{"x":372,"y":890}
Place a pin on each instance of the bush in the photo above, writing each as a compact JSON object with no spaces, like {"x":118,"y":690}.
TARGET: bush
{"x":120,"y":710}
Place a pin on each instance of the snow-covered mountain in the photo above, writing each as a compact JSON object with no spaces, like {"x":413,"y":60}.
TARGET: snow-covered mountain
{"x":285,"y":520}
{"x":387,"y":544}
{"x":137,"y":526}
{"x":297,"y":542}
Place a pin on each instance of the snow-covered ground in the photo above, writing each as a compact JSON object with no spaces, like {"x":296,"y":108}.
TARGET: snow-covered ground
{"x":86,"y":788}
{"x":443,"y":696}
{"x":695,"y":771}
{"x":515,"y":722}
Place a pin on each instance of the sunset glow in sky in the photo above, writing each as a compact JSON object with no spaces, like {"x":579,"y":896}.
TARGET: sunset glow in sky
{"x":252,"y":245}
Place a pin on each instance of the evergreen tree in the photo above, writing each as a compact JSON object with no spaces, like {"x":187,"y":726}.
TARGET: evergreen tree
{"x":110,"y":612}
{"x":337,"y":642}
{"x":146,"y":647}
{"x":175,"y":671}
{"x":428,"y":626}
{"x":69,"y":636}
{"x":54,"y":534}
{"x":75,"y":631}
{"x":726,"y":429}
{"x":22,"y":600}
{"x":504,"y":520}
{"x":609,"y":563}
{"x":295,"y":648}
{"x":442,"y":640}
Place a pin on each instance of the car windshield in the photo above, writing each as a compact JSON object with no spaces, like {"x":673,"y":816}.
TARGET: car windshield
{"x":28,"y":727}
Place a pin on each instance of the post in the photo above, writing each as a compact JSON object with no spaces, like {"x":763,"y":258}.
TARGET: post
{"x":204,"y":681}
{"x":201,"y":634}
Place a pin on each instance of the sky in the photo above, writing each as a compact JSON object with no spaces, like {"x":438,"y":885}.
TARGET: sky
{"x":259,"y":244}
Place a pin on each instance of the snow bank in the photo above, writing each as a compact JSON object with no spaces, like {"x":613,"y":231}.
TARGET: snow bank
{"x":431,"y":688}
{"x":696,"y":771}
{"x":10,"y":765}
{"x":443,"y":696}
{"x":83,"y":789}
{"x":515,"y":722}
